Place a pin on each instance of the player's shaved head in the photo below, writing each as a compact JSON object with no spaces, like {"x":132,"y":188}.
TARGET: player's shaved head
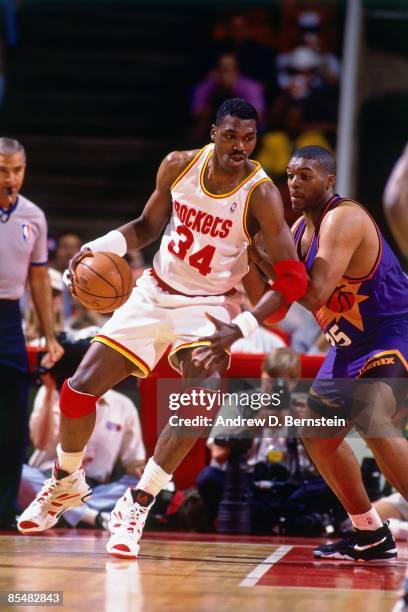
{"x":323,"y":156}
{"x":236,"y":107}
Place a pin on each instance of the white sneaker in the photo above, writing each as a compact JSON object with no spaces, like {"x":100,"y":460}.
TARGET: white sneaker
{"x":126,"y":523}
{"x":399,"y":529}
{"x":58,"y":494}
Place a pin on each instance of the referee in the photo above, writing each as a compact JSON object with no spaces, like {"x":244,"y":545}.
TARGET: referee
{"x":23,"y":257}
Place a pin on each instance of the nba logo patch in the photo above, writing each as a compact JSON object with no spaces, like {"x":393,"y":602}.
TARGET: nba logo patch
{"x":233,"y":207}
{"x":26,"y":230}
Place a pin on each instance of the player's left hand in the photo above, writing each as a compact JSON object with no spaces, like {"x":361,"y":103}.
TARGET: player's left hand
{"x":53,"y":354}
{"x":225,"y":334}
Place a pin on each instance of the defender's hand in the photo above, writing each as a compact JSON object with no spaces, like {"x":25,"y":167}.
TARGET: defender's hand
{"x":208,"y":357}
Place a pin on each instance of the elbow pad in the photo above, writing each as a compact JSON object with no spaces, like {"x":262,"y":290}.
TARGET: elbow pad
{"x":290,"y":279}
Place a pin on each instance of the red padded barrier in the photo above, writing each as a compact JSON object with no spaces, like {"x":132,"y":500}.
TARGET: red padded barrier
{"x":243,"y":365}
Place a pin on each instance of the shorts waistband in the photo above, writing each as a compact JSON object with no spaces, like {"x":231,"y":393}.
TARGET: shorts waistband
{"x":172,"y":291}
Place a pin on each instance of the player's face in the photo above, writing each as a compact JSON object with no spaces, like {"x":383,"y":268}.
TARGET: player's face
{"x":234,"y":139}
{"x":12,"y":170}
{"x":309,"y":184}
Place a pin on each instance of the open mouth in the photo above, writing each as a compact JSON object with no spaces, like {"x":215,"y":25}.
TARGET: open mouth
{"x":237,"y":158}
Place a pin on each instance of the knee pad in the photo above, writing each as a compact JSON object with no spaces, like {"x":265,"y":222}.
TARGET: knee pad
{"x":75,"y":404}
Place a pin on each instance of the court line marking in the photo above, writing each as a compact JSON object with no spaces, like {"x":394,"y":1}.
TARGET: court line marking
{"x":256,"y":574}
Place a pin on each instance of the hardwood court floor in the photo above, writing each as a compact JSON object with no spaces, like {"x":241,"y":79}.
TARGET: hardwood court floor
{"x":190,"y":572}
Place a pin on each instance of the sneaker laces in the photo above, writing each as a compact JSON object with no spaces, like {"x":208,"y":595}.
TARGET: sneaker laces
{"x":45,"y":492}
{"x":131,"y":521}
{"x":48,"y":489}
{"x":352,"y":538}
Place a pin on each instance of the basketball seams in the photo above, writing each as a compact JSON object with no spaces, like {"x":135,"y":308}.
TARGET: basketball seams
{"x":81,"y":263}
{"x":103,"y":275}
{"x":104,"y":297}
{"x":117,"y":269}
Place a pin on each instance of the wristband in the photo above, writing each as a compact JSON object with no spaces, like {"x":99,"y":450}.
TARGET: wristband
{"x":112,"y":242}
{"x":246,"y":323}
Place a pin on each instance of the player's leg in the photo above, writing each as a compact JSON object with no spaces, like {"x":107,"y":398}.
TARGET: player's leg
{"x":390,"y":450}
{"x":172,"y":446}
{"x":376,"y":423}
{"x":101,"y":368}
{"x":336,"y":462}
{"x":186,"y":322}
{"x":339,"y":467}
{"x":329,"y":451}
{"x":175,"y":442}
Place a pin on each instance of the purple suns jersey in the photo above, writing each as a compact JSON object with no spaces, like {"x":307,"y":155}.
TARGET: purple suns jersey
{"x":359,"y":306}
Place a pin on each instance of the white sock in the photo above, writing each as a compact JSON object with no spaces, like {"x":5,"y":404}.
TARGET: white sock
{"x":369,"y":521}
{"x":153,"y":478}
{"x":69,"y":462}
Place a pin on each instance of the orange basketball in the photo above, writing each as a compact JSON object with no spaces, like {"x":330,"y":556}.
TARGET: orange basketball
{"x":102,"y":282}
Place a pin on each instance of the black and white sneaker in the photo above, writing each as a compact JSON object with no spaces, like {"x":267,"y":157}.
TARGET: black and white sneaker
{"x":361,"y":545}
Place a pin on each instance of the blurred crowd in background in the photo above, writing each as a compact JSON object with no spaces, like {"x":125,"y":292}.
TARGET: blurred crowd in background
{"x":290,"y":73}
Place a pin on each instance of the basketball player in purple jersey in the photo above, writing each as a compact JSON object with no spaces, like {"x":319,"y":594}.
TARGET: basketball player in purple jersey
{"x":359,"y":295}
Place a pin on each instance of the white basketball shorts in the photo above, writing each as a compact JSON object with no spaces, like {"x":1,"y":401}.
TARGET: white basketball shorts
{"x":152,"y":319}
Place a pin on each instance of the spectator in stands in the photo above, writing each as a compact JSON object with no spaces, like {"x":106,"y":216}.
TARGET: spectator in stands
{"x":395,"y":509}
{"x":278,"y":145}
{"x":76,"y":316}
{"x":225,"y":81}
{"x":68,"y":243}
{"x":256,"y":60}
{"x":137,"y":263}
{"x":329,"y":67}
{"x":282,"y":363}
{"x":23,"y":258}
{"x":301,"y":81}
{"x":117,"y":436}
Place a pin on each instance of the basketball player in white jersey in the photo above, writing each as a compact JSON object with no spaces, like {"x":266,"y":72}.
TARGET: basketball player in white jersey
{"x":211,"y":202}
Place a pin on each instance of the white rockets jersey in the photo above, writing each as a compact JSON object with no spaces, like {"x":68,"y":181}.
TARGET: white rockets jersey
{"x":203,"y":249}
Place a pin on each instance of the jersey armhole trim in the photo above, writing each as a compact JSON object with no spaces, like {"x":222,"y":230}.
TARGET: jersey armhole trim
{"x":359,"y":279}
{"x":377,"y":262}
{"x":38,"y":263}
{"x":187,"y":168}
{"x":246,"y":207}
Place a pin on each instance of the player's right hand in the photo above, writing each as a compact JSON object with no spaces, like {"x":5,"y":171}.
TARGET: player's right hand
{"x":69,"y":273}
